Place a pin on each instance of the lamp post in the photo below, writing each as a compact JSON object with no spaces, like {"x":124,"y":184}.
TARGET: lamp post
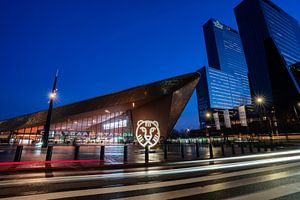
{"x":208,"y":118}
{"x":261,"y":103}
{"x":52,"y":97}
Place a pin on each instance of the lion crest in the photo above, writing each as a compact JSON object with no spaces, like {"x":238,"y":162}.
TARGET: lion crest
{"x":147,"y":133}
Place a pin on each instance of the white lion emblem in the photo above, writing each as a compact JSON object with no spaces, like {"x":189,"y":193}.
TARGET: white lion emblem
{"x":147,"y":133}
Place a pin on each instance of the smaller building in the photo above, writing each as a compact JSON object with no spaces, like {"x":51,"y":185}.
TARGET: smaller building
{"x":243,"y":120}
{"x":146,"y":114}
{"x":218,"y":90}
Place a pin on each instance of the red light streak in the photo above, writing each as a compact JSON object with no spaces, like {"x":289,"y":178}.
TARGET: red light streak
{"x":48,"y":162}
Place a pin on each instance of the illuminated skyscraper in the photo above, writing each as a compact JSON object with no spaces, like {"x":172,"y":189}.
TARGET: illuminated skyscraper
{"x":226,"y":84}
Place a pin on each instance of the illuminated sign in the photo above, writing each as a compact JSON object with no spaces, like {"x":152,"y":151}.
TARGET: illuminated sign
{"x":218,"y":24}
{"x":147,"y":133}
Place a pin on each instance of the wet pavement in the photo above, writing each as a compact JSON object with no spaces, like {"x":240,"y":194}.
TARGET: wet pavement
{"x":272,"y":175}
{"x":114,"y":153}
{"x":89,"y":155}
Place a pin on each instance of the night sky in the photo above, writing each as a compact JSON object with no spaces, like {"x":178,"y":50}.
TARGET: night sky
{"x":102,"y":46}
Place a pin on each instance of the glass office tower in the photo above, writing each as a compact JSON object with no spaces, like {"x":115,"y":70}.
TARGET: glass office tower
{"x":226,"y":84}
{"x":225,"y":52}
{"x":269,"y":21}
{"x":269,"y":34}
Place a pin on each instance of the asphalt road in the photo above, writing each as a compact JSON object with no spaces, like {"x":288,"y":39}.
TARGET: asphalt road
{"x":273,"y":175}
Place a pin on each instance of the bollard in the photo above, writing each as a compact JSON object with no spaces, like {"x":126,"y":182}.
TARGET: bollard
{"x":265,"y":146}
{"x":182,"y":150}
{"x":258,"y":147}
{"x":49,"y":153}
{"x":165,"y":151}
{"x":76,"y":153}
{"x":232,"y":148}
{"x":125,"y":153}
{"x":222,"y":148}
{"x":242,"y":148}
{"x":197,"y":149}
{"x":18,"y":154}
{"x":211,"y":153}
{"x":272,"y":146}
{"x":250,"y":147}
{"x":276,"y":145}
{"x":102,"y":152}
{"x":146,"y":154}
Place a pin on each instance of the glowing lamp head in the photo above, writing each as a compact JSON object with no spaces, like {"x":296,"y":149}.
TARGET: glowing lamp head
{"x":207,"y":115}
{"x":52,"y":95}
{"x":259,"y":100}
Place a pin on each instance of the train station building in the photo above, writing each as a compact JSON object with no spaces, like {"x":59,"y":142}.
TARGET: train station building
{"x":152,"y":109}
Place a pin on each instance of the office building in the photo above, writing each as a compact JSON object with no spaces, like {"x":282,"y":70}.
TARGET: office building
{"x":271,"y":41}
{"x":224,"y":84}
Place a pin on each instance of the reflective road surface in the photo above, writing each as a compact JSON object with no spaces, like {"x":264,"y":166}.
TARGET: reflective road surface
{"x":274,"y":175}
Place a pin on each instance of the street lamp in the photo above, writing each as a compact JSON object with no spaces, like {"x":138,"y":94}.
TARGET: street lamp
{"x":52,"y":97}
{"x":260,"y":100}
{"x":208,"y":118}
{"x":208,"y":115}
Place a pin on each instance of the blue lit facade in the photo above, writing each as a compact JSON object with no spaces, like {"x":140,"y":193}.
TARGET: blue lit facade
{"x":224,"y":90}
{"x":226,"y":84}
{"x":285,"y":32}
{"x":267,"y":21}
{"x":225,"y":52}
{"x":269,"y":34}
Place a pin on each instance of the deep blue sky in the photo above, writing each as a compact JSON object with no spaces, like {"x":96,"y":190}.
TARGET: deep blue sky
{"x":102,"y":46}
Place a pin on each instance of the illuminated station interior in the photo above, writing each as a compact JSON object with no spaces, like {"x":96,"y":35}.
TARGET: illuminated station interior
{"x":111,"y":127}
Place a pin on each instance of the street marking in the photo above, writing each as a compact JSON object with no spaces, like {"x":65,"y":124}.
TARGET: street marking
{"x":273,"y":193}
{"x":212,"y":188}
{"x":99,"y":191}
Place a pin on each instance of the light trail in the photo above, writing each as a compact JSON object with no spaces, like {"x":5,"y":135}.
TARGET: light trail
{"x":48,"y":162}
{"x":160,"y":172}
{"x":180,"y":192}
{"x":240,"y":157}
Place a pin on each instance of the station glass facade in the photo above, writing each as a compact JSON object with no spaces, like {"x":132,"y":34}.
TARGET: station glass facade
{"x":111,"y":128}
